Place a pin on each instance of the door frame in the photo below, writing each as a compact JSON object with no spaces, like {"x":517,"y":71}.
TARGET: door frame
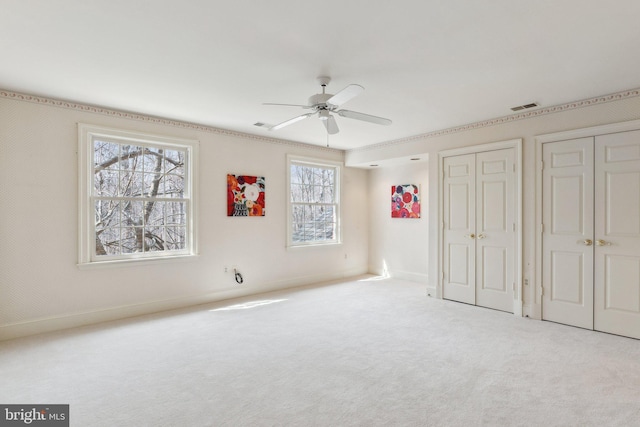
{"x":534,"y":309}
{"x":516,"y":144}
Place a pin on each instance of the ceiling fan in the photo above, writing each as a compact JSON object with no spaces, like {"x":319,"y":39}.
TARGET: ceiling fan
{"x":323,"y":104}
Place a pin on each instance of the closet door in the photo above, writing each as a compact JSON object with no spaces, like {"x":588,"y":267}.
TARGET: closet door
{"x":567,"y":238}
{"x":617,"y":234}
{"x":495,"y":229}
{"x":459,"y":218}
{"x":479,"y":229}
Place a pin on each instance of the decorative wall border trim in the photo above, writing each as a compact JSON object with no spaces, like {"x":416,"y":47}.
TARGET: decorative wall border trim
{"x":511,"y":118}
{"x":152,"y":119}
{"x":210,"y":129}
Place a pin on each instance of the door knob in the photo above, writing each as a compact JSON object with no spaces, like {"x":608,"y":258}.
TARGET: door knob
{"x":601,"y":242}
{"x":471,"y":236}
{"x":586,"y":242}
{"x":481,"y":236}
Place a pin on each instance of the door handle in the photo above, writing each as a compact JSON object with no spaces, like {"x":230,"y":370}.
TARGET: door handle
{"x":481,"y":236}
{"x":601,"y":242}
{"x":586,"y":242}
{"x":471,"y":236}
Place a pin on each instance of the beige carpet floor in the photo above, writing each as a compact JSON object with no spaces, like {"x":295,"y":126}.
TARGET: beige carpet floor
{"x":353,"y":353}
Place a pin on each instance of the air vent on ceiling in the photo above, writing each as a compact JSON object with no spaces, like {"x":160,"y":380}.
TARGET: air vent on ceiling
{"x":524,"y":107}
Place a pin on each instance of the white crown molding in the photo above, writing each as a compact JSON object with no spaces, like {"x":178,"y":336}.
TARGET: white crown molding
{"x":152,"y":119}
{"x":203,"y":128}
{"x":506,"y":119}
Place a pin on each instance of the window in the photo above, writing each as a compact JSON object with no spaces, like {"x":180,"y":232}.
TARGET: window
{"x":136,"y":196}
{"x":314,"y":202}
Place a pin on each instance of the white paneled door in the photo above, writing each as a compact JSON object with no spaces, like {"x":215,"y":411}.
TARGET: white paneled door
{"x":459,"y":214}
{"x":591,"y":233}
{"x":479,"y":229}
{"x":567,"y":215}
{"x":617,"y":234}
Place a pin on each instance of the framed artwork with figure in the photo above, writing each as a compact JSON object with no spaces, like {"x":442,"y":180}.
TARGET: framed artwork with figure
{"x":245,"y":195}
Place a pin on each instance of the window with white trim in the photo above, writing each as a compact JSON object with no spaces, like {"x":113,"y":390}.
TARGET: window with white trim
{"x":136,"y":196}
{"x":314,"y":202}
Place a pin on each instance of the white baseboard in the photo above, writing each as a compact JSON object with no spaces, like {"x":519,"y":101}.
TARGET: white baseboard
{"x":410,"y":276}
{"x":532,"y":311}
{"x":72,"y":320}
{"x":432,"y":292}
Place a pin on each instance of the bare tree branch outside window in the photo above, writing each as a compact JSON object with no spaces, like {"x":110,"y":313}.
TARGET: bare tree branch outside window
{"x":313,"y":203}
{"x":139,"y":198}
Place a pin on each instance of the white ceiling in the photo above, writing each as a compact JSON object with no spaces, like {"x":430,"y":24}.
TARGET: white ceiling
{"x":426,"y":64}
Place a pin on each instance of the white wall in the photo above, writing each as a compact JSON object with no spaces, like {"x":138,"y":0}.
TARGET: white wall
{"x":41,"y":287}
{"x":621,"y":107}
{"x":399,"y":247}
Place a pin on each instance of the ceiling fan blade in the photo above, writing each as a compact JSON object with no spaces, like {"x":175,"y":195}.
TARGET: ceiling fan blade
{"x":287,"y":105}
{"x":365,"y":117}
{"x":345,"y":95}
{"x":331,"y":125}
{"x":290,"y":121}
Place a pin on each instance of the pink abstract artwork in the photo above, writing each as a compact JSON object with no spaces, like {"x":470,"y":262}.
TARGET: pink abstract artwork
{"x":405,"y":201}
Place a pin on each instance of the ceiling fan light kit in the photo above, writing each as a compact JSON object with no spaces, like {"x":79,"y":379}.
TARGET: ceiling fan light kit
{"x":323,"y":104}
{"x":323,"y":114}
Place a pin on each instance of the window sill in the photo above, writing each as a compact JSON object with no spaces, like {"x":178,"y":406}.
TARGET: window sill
{"x":313,"y":245}
{"x":135,"y":262}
